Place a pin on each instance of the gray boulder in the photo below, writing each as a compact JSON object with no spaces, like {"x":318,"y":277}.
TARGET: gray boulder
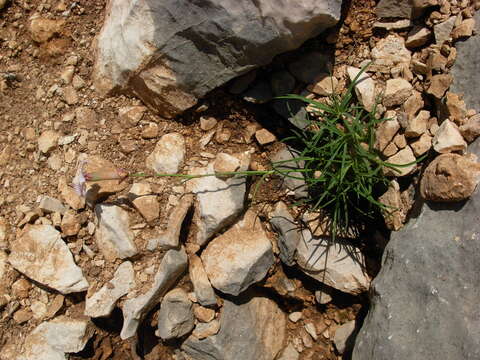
{"x":172,"y":52}
{"x":251,"y":328}
{"x":175,"y":317}
{"x":466,"y":71}
{"x":425,"y":298}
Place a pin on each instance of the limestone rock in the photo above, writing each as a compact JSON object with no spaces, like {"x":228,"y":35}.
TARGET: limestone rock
{"x":69,"y":195}
{"x":168,"y":154}
{"x":397,"y":92}
{"x":364,"y":88}
{"x":396,"y":213}
{"x":342,"y":336}
{"x":332,"y":264}
{"x":288,"y":232}
{"x":386,"y":131}
{"x":40,"y":253}
{"x":413,"y":105}
{"x":439,"y":85}
{"x":130,"y":116}
{"x":203,"y":314}
{"x":172,"y":266}
{"x":52,"y":340}
{"x":471,"y":129}
{"x":418,"y":125}
{"x":102,"y":302}
{"x":225,"y":163}
{"x":394,"y":9}
{"x":251,"y":328}
{"x":443,"y":30}
{"x":48,"y":141}
{"x":425,"y":266}
{"x":175,"y":318}
{"x":465,"y":29}
{"x":285,"y":157}
{"x":391,"y":51}
{"x":201,"y":285}
{"x":289,"y":353}
{"x":324,"y":85}
{"x":240,"y":257}
{"x":144,"y":200}
{"x":51,"y":205}
{"x":448,"y":138}
{"x":42,"y":29}
{"x":403,"y":157}
{"x":264,"y":137}
{"x":422,"y":145}
{"x":114,"y":237}
{"x":170,"y":238}
{"x":167,"y":60}
{"x":219,"y":201}
{"x":204,"y":330}
{"x":456,"y":108}
{"x":417,"y":37}
{"x":450,"y":177}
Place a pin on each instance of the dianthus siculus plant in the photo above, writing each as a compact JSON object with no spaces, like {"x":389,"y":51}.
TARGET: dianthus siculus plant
{"x":342,"y":169}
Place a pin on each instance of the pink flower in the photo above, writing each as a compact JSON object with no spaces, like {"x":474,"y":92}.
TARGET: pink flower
{"x":81,"y":177}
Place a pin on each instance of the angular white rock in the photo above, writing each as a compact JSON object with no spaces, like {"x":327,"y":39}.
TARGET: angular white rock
{"x":168,"y":154}
{"x":40,"y":253}
{"x":364,"y":88}
{"x":448,"y":138}
{"x":240,"y":257}
{"x":53,"y":339}
{"x":201,"y":285}
{"x":103,"y":301}
{"x":114,"y":237}
{"x":332,"y":265}
{"x":173,"y":264}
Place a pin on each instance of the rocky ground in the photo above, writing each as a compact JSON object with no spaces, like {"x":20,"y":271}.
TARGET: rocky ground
{"x":159,"y":268}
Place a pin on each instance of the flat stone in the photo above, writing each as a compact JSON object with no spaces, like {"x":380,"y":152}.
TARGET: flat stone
{"x":471,"y":129}
{"x":413,"y":105}
{"x":456,"y":108}
{"x":391,"y":51}
{"x":385,"y":132}
{"x":394,"y":9}
{"x":113,"y":236}
{"x":429,"y":271}
{"x":397,"y":92}
{"x":448,"y":138}
{"x":264,"y":137}
{"x":225,"y":163}
{"x":101,"y":303}
{"x":465,"y":29}
{"x":332,"y":264}
{"x":403,"y":157}
{"x":71,"y":223}
{"x":251,"y":328}
{"x":295,"y":316}
{"x":52,"y":340}
{"x":443,"y":30}
{"x":324,"y":85}
{"x":418,"y":125}
{"x":51,"y":205}
{"x":289,"y":353}
{"x":207,"y":123}
{"x":439,"y":85}
{"x":40,"y":253}
{"x":201,"y":285}
{"x":48,"y":141}
{"x":130,"y":116}
{"x":285,"y":157}
{"x":396,"y":212}
{"x":150,"y":131}
{"x":364,"y":87}
{"x":422,"y":145}
{"x":144,"y":200}
{"x":288,"y":233}
{"x":322,"y":298}
{"x":168,"y":154}
{"x":393,"y":25}
{"x":172,"y":266}
{"x":203,"y":314}
{"x":418,"y":36}
{"x":175,"y":318}
{"x":219,"y":201}
{"x":450,"y":177}
{"x":342,"y":338}
{"x":239,"y":257}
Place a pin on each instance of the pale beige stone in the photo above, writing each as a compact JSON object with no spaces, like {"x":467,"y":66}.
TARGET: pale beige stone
{"x":448,"y":138}
{"x":364,"y":87}
{"x":418,"y":125}
{"x":471,"y":129}
{"x":456,"y":108}
{"x":225,"y":163}
{"x":324,"y":86}
{"x":168,"y":154}
{"x":144,"y":200}
{"x":443,"y":30}
{"x":391,"y":51}
{"x":465,"y":29}
{"x":385,"y":132}
{"x":439,"y":85}
{"x":397,"y":92}
{"x":417,"y":37}
{"x":400,"y":141}
{"x":207,"y":123}
{"x":450,"y":177}
{"x":422,"y":145}
{"x":403,"y":157}
{"x":413,"y":105}
{"x":48,"y":141}
{"x":264,"y":137}
{"x":42,"y":30}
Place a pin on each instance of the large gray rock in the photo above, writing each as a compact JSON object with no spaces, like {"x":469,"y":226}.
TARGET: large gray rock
{"x":172,"y":52}
{"x":288,"y":232}
{"x":466,"y":71}
{"x":175,"y":318}
{"x":425,"y":298}
{"x":252,"y":328}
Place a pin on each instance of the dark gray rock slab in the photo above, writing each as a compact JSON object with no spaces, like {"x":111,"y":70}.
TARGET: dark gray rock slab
{"x":251,"y":328}
{"x":425,"y":300}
